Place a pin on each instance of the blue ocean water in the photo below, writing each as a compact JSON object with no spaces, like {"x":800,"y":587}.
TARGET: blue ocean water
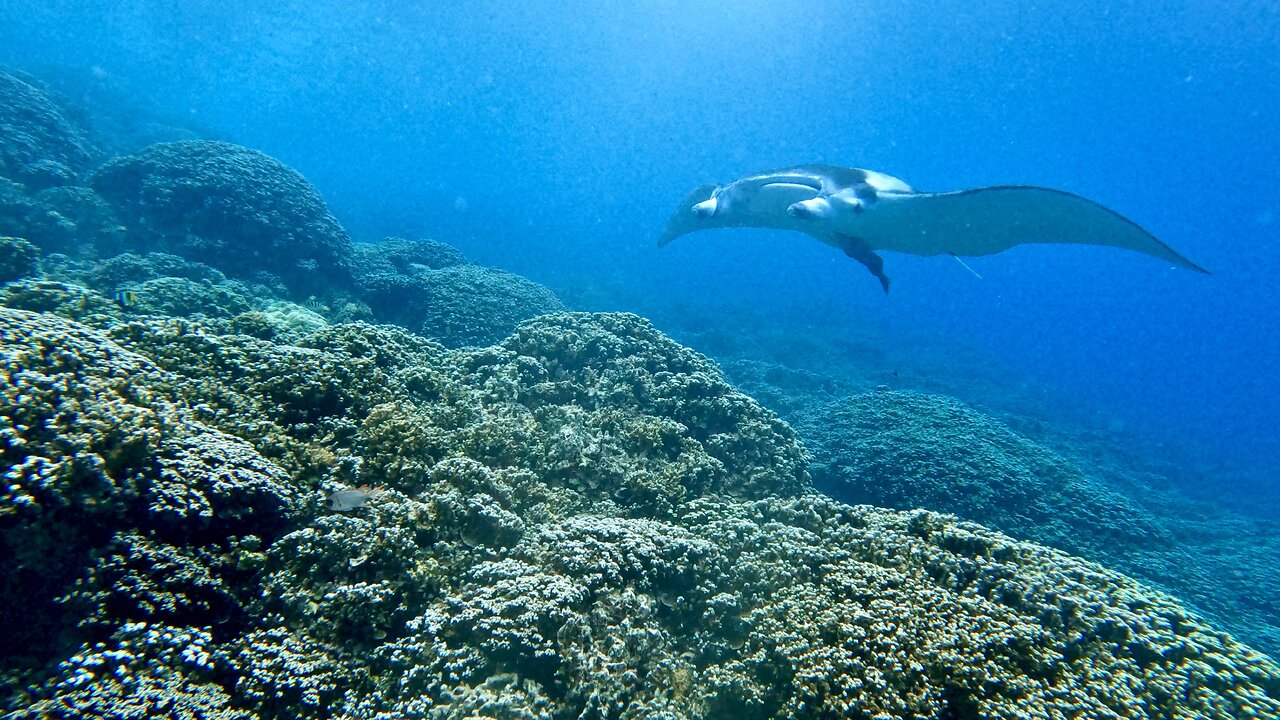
{"x":553,"y":140}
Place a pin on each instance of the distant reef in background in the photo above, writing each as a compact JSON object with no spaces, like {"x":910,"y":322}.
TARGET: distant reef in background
{"x":561,"y":514}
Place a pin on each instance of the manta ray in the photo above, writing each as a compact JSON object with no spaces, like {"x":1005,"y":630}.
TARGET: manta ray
{"x":863,"y":211}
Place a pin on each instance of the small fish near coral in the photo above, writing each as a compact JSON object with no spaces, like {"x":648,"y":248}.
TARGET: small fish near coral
{"x":126,"y":298}
{"x":862,"y":211}
{"x":348,"y":499}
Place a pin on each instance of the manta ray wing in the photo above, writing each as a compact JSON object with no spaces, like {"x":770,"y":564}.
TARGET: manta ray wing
{"x":987,"y":220}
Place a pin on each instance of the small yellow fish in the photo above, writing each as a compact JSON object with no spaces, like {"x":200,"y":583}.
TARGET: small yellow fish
{"x":126,"y":298}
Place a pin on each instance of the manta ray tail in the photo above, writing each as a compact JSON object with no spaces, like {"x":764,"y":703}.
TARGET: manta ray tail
{"x":965,"y":265}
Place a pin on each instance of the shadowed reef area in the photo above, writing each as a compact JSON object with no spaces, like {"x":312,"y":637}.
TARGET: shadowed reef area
{"x":569,"y":515}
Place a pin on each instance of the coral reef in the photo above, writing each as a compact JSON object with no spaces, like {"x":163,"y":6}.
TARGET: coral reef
{"x":68,"y":219}
{"x":18,"y":259}
{"x":793,"y":608}
{"x":144,"y":670}
{"x":398,"y":256}
{"x":119,"y":116}
{"x":119,"y":271}
{"x":429,"y":288}
{"x":582,"y":521}
{"x":912,"y":450}
{"x":1222,"y":561}
{"x":65,"y":299}
{"x":116,"y":501}
{"x":42,"y":147}
{"x":906,"y":450}
{"x":473,"y":305}
{"x":230,"y":207}
{"x":181,"y":297}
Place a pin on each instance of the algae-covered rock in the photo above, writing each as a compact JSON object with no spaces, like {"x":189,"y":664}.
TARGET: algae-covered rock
{"x":230,"y":207}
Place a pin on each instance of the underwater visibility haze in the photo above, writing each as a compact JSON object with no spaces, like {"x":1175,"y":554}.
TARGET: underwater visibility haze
{"x":345,"y":376}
